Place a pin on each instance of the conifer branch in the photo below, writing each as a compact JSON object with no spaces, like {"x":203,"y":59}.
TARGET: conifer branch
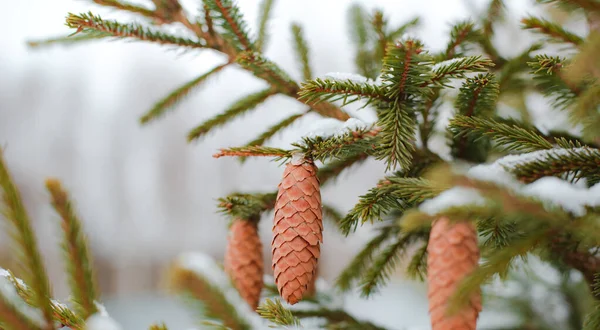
{"x":274,"y":311}
{"x":246,"y":206}
{"x":215,"y":304}
{"x":339,"y":146}
{"x":14,"y":212}
{"x":417,"y":268}
{"x":361,"y":262}
{"x":227,"y":16}
{"x":79,"y":265}
{"x":458,"y":68}
{"x":348,"y":91}
{"x":253,"y":151}
{"x":268,"y":71}
{"x":379,"y":26}
{"x":266,"y":7}
{"x":507,"y":137}
{"x":385,"y":263}
{"x":554,"y":31}
{"x":460,"y":34}
{"x":168,"y":102}
{"x":301,"y":48}
{"x":14,"y":319}
{"x":332,"y":169}
{"x":127,"y":7}
{"x":161,"y":326}
{"x":399,"y":31}
{"x":588,"y":5}
{"x":61,"y":313}
{"x":582,"y":162}
{"x":271,"y":131}
{"x":90,"y":23}
{"x":68,"y":40}
{"x":548,"y":73}
{"x":237,"y":109}
{"x":337,"y":319}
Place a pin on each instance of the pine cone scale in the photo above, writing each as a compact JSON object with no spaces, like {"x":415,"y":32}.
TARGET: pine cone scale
{"x":453,"y":254}
{"x":297,"y":230}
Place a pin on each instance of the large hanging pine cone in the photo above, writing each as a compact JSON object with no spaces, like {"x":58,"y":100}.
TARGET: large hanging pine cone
{"x":297,"y":229}
{"x":452,"y":254}
{"x":244,"y":260}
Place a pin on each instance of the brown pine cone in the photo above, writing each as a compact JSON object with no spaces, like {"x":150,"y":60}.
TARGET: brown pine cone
{"x":452,"y":254}
{"x":244,"y":260}
{"x":297,"y":229}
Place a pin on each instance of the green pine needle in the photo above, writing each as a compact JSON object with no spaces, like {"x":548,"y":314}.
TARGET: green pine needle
{"x":79,"y":264}
{"x":348,"y":91}
{"x":168,"y":102}
{"x":15,"y":214}
{"x":271,"y":131}
{"x":266,"y":6}
{"x":301,"y":48}
{"x":246,"y":206}
{"x":274,"y":311}
{"x":90,"y":23}
{"x":461,"y":34}
{"x":361,"y":262}
{"x":509,"y":137}
{"x":580,"y":162}
{"x":417,"y":268}
{"x":267,"y":70}
{"x":240,"y":107}
{"x":459,"y":67}
{"x":400,"y":30}
{"x":227,"y":18}
{"x":68,"y":40}
{"x":554,"y":31}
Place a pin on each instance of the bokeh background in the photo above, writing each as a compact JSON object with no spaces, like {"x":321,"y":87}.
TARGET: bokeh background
{"x":144,"y":193}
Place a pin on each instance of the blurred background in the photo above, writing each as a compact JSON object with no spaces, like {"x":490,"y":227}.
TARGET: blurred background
{"x":144,"y":193}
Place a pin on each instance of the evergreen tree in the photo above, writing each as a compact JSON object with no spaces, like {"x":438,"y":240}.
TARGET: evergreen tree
{"x":506,"y":191}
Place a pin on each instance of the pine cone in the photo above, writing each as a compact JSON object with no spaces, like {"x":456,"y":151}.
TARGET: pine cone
{"x":297,"y":229}
{"x":452,"y":254}
{"x":244,"y":260}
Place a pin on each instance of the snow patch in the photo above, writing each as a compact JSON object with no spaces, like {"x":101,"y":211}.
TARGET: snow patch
{"x":456,"y":196}
{"x":102,"y":322}
{"x":353,"y":77}
{"x":329,"y":127}
{"x":7,"y":289}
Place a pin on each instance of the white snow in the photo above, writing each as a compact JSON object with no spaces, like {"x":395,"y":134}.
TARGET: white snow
{"x":438,"y":65}
{"x":7,"y":274}
{"x":329,"y":127}
{"x":551,"y":191}
{"x":10,"y":293}
{"x":342,"y":76}
{"x":456,"y":196}
{"x":101,"y":309}
{"x":102,"y":322}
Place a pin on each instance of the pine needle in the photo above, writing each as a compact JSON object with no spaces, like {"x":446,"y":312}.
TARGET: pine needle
{"x":266,"y":6}
{"x":274,"y":311}
{"x":177,"y":95}
{"x":79,"y":263}
{"x":301,"y":48}
{"x":29,"y":257}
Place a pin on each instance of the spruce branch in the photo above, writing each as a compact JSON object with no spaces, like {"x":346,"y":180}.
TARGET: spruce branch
{"x":274,"y":311}
{"x":339,"y":146}
{"x":461,"y":33}
{"x":271,"y":131}
{"x":581,"y":162}
{"x":176,"y":96}
{"x":202,"y":292}
{"x":337,"y":319}
{"x":268,"y":71}
{"x":587,"y":5}
{"x":266,"y":6}
{"x":386,"y":262}
{"x":554,"y":31}
{"x":507,"y":137}
{"x":246,"y":206}
{"x":90,"y":23}
{"x":417,"y":268}
{"x":348,"y":91}
{"x":458,"y":68}
{"x":253,"y":151}
{"x":79,"y":265}
{"x":61,"y":312}
{"x":400,"y":30}
{"x":237,"y":109}
{"x":227,"y":17}
{"x":12,"y":318}
{"x":22,"y":233}
{"x":127,"y":7}
{"x":68,"y":40}
{"x":585,"y":111}
{"x":301,"y":48}
{"x":361,"y":262}
{"x":548,"y":72}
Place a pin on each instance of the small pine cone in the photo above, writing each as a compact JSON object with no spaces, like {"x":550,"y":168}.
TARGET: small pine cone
{"x":452,"y":254}
{"x":297,"y":229}
{"x":244,"y":260}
